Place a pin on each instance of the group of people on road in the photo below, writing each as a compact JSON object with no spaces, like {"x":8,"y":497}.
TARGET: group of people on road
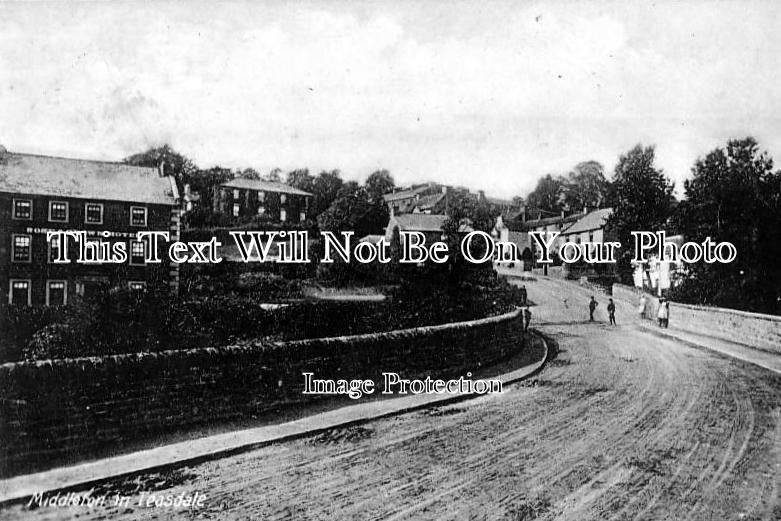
{"x":611,"y":310}
{"x":662,"y":314}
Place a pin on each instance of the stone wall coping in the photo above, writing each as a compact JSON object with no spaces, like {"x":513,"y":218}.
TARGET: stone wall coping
{"x":728,"y":311}
{"x":9,"y":367}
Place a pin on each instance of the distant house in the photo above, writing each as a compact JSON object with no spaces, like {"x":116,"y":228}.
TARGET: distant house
{"x":402,"y":201}
{"x":110,"y":202}
{"x":431,"y":225}
{"x":504,"y":207}
{"x":431,"y":198}
{"x":502,"y":233}
{"x":589,"y":228}
{"x":244,"y":199}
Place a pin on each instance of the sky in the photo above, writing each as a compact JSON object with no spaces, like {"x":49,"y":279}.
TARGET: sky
{"x":486,"y":94}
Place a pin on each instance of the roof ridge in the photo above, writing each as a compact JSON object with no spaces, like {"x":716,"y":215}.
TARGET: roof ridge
{"x":99,"y":161}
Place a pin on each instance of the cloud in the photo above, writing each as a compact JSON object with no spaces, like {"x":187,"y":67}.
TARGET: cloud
{"x":490,"y":98}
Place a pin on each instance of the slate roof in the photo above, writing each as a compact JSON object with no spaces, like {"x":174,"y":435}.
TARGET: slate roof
{"x":426,"y":202}
{"x":403,"y":194}
{"x":84,"y":179}
{"x":591,"y":221}
{"x":265,"y":186}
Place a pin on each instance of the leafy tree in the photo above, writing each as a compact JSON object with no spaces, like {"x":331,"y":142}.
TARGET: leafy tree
{"x":351,"y":210}
{"x":585,"y":187}
{"x":250,"y":173}
{"x":642,"y":201}
{"x":548,"y":195}
{"x":274,"y":175}
{"x":325,"y":189}
{"x":378,"y":184}
{"x":174,"y":163}
{"x":734,"y":195}
{"x":301,"y":179}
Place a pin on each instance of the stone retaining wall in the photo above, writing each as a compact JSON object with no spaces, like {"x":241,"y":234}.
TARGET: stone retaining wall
{"x":67,"y":408}
{"x":752,"y":329}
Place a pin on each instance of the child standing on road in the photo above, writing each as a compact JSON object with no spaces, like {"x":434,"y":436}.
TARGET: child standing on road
{"x":663,"y":313}
{"x":611,"y":312}
{"x":641,"y":307}
{"x":592,"y":306}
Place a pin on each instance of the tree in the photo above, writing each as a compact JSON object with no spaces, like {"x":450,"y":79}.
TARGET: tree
{"x":585,"y":187}
{"x":734,"y":195}
{"x":274,"y":175}
{"x":547,"y":195}
{"x":250,"y":173}
{"x":301,"y":179}
{"x":642,"y":201}
{"x":174,"y":163}
{"x":351,"y":210}
{"x":378,"y":184}
{"x":325,"y":189}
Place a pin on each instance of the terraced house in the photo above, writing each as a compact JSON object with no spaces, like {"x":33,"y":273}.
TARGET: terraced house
{"x":110,"y":202}
{"x":248,"y":199}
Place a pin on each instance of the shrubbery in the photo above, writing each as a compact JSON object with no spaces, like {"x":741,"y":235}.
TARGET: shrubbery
{"x":124,"y":321}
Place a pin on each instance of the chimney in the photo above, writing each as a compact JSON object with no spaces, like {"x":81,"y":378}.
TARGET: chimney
{"x":187,"y":191}
{"x":161,"y":168}
{"x":585,"y":209}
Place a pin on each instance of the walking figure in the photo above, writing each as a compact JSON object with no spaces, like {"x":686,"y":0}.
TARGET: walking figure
{"x":523,"y":295}
{"x":592,"y":306}
{"x":611,"y":312}
{"x":664,"y":313}
{"x":527,"y":317}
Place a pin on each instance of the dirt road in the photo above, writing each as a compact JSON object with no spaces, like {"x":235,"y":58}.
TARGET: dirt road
{"x":622,"y":425}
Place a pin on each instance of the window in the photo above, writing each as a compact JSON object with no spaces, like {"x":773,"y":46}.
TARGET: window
{"x":21,"y":251}
{"x":261,"y":195}
{"x":56,"y":293}
{"x":282,"y":198}
{"x":23,"y":209}
{"x":235,"y":194}
{"x":236,"y":209}
{"x":282,"y":215}
{"x":136,"y":285}
{"x":137,"y":253}
{"x":19,"y":292}
{"x":93,"y":213}
{"x":58,"y":211}
{"x":590,"y":236}
{"x":54,"y":248}
{"x":302,"y":217}
{"x":137,"y":216}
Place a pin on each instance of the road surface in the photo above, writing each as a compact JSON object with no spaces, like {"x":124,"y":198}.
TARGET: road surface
{"x":622,"y":425}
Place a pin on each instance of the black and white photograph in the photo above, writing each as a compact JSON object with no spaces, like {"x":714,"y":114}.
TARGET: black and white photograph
{"x":390,"y":260}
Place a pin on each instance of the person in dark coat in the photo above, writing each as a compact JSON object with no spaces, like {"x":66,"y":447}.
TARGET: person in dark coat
{"x":592,"y":306}
{"x":527,"y":317}
{"x":523,"y":295}
{"x":611,"y":312}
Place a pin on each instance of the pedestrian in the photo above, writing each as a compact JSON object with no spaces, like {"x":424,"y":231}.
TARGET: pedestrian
{"x":662,"y":313}
{"x":641,"y":307}
{"x":527,"y":317}
{"x":611,"y":312}
{"x":524,"y":294}
{"x":592,"y":306}
{"x":666,"y":313}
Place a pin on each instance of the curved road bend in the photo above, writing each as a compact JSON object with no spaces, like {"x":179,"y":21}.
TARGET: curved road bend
{"x":622,"y":425}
